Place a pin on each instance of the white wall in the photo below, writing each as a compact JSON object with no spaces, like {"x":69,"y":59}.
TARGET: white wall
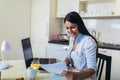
{"x":14,"y":25}
{"x":109,"y":29}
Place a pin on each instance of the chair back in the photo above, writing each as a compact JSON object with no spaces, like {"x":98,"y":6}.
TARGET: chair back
{"x":101,"y":60}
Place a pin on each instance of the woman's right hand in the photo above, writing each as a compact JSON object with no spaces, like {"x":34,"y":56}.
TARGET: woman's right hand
{"x":68,"y":74}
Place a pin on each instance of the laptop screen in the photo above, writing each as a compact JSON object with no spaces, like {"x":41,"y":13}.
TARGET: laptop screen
{"x":27,"y":50}
{"x":28,"y":55}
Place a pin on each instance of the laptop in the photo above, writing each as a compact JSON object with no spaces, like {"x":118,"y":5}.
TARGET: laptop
{"x":28,"y":54}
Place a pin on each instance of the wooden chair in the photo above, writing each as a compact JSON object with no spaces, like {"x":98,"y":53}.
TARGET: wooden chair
{"x":101,"y":60}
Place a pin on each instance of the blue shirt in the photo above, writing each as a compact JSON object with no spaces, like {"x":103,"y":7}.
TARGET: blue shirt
{"x":84,"y":55}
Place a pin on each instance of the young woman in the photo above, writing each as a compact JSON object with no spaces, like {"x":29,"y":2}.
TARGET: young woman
{"x":82,"y":49}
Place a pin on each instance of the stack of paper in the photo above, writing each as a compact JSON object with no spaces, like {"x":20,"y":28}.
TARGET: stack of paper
{"x":56,"y":68}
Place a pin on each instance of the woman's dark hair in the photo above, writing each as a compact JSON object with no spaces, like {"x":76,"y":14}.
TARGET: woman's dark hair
{"x":74,"y":17}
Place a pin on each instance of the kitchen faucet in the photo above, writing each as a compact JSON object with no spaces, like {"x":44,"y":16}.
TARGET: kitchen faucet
{"x":98,"y":35}
{"x":95,"y":34}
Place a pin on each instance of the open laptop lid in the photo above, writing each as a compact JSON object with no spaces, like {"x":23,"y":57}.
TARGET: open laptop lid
{"x":27,"y":51}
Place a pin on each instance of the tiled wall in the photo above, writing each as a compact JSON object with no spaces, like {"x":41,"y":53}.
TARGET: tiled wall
{"x":109,"y":29}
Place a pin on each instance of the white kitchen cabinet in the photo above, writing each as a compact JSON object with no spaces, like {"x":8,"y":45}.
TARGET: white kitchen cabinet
{"x":115,"y":68}
{"x":43,"y":22}
{"x":105,"y":51}
{"x":66,"y":6}
{"x":56,"y":51}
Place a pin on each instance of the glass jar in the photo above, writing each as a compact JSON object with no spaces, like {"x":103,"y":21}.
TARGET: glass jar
{"x":35,"y":63}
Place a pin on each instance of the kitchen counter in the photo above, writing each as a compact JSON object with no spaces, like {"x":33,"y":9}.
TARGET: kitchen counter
{"x":104,"y":45}
{"x":110,"y":46}
{"x":59,"y":42}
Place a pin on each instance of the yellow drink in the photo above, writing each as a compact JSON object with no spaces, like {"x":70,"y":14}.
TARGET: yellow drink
{"x":35,"y":65}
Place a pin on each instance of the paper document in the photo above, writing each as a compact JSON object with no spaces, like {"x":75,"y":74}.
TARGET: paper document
{"x":56,"y":68}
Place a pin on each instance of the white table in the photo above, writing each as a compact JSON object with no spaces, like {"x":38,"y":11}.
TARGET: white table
{"x":17,"y":69}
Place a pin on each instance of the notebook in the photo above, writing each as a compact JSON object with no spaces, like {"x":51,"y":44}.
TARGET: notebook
{"x":28,"y":54}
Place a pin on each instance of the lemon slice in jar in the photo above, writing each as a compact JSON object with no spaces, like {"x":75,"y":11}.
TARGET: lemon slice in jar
{"x":36,"y":66}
